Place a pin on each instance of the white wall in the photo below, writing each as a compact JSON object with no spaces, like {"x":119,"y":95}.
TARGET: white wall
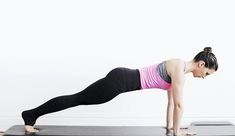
{"x":52,"y":48}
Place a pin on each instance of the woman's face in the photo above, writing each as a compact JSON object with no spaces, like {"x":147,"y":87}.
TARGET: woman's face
{"x":201,"y":71}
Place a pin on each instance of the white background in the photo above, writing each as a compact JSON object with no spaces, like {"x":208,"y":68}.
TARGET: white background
{"x":52,"y":48}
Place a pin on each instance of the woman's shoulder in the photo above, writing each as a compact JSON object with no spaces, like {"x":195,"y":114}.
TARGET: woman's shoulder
{"x":175,"y":61}
{"x":175,"y":64}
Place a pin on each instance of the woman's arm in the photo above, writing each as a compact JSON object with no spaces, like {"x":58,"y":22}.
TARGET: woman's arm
{"x":177,"y":77}
{"x":170,"y":108}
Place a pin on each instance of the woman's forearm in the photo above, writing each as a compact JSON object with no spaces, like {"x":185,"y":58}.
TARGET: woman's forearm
{"x":178,"y":111}
{"x":169,"y":116}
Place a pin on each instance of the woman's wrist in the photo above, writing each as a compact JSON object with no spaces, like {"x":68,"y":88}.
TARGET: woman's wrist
{"x":169,"y":127}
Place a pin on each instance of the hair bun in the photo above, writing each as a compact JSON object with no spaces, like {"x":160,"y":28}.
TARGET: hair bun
{"x":208,"y":49}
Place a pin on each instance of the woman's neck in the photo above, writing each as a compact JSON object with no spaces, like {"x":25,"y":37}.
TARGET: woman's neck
{"x":190,"y":66}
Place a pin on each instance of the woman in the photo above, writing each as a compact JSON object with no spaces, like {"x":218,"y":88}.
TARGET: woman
{"x":168,"y":75}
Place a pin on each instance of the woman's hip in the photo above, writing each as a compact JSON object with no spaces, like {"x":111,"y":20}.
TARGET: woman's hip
{"x":125,"y":79}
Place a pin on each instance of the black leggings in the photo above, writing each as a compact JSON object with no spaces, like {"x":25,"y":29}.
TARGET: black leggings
{"x":117,"y":81}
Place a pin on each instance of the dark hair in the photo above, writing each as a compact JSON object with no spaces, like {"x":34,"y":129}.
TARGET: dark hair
{"x":208,"y":57}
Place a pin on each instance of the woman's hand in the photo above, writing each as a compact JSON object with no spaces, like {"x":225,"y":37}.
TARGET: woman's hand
{"x":186,"y":132}
{"x":183,"y":132}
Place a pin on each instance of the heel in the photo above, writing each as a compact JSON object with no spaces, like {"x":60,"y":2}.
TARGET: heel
{"x":29,"y":119}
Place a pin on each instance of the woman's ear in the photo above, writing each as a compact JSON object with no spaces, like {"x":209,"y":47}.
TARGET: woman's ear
{"x":201,"y":63}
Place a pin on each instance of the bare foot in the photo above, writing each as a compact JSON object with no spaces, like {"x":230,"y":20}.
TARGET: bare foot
{"x":30,"y":129}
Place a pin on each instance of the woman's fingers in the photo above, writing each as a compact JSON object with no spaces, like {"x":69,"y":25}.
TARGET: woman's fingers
{"x":186,"y":132}
{"x":183,"y":131}
{"x":184,"y":127}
